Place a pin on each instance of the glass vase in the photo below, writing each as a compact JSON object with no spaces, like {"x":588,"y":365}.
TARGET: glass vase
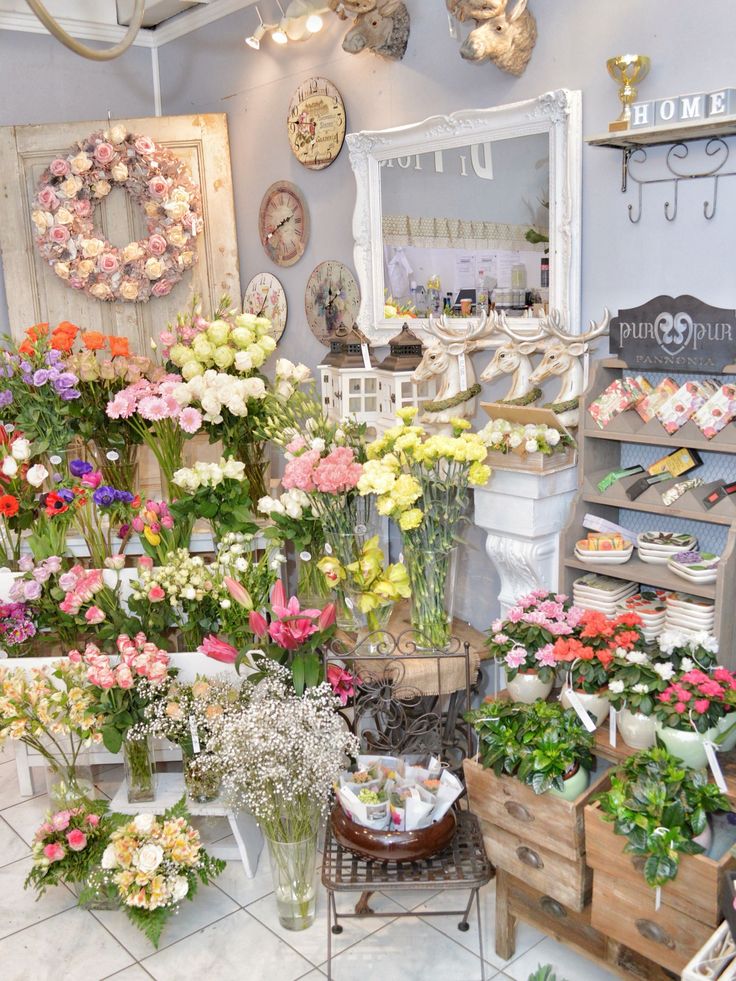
{"x":432,"y":580}
{"x":140,"y":770}
{"x":201,"y":779}
{"x":372,"y":633}
{"x":68,"y":784}
{"x":95,"y":892}
{"x":118,"y":465}
{"x":293,"y":867}
{"x":312,"y":590}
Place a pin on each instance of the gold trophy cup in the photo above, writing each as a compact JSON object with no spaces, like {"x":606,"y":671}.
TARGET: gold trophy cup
{"x":628,"y":70}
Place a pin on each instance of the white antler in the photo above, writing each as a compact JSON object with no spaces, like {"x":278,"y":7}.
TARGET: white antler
{"x":454,"y":332}
{"x":505,"y":328}
{"x":553,"y":326}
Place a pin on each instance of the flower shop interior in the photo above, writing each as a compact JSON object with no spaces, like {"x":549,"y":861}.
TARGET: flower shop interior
{"x":365,"y":601}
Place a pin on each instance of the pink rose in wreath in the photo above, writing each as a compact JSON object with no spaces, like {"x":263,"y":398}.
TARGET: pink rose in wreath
{"x":109,"y":263}
{"x":83,"y":208}
{"x":158,"y":187}
{"x":157,"y":244}
{"x":59,"y":234}
{"x":162,"y":288}
{"x":59,"y":167}
{"x":145,"y":145}
{"x":104,"y":153}
{"x":47,"y":199}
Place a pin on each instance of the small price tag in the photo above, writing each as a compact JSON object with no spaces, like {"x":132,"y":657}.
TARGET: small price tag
{"x":366,"y":352}
{"x":715,"y":766}
{"x":349,"y":603}
{"x":657,"y":899}
{"x":581,"y":711}
{"x":195,"y":736}
{"x":10,"y":428}
{"x":112,"y":455}
{"x":462,"y":365}
{"x":305,"y":556}
{"x":55,"y":459}
{"x":328,"y":548}
{"x":612,"y":732}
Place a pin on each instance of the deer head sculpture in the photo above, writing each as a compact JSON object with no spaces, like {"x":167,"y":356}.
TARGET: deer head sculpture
{"x":381,"y":26}
{"x":562,"y":359}
{"x":507,"y":39}
{"x":513,"y":358}
{"x":445,"y":357}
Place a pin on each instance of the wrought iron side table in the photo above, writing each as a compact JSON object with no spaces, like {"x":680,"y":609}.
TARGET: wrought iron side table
{"x":462,"y":865}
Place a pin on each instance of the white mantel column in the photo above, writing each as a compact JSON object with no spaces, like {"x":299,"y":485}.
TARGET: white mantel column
{"x":522,"y":515}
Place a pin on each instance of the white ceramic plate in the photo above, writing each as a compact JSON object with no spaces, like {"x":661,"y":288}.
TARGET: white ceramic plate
{"x":692,"y":609}
{"x":679,"y":621}
{"x":703,"y":580}
{"x":605,"y":558}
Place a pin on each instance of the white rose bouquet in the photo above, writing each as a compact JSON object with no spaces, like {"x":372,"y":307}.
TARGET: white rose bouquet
{"x":294,"y":520}
{"x":152,"y":864}
{"x":218,"y":492}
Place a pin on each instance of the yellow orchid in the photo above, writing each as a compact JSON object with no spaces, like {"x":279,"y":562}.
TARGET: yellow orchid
{"x":395,"y":582}
{"x":332,"y":570}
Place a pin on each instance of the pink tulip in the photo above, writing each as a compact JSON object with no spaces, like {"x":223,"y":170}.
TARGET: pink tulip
{"x":92,"y":480}
{"x":218,"y":650}
{"x":258,"y":623}
{"x":239,"y":593}
{"x":94,"y":615}
{"x":145,"y":562}
{"x":54,"y":852}
{"x":77,"y":840}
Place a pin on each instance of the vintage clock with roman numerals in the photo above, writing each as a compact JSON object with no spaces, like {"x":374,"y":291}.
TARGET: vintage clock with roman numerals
{"x":332,"y":300}
{"x":264,"y":296}
{"x":316,"y":123}
{"x":283,"y":223}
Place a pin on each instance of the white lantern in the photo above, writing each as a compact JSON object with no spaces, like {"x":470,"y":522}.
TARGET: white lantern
{"x":396,"y":390}
{"x":349,"y":380}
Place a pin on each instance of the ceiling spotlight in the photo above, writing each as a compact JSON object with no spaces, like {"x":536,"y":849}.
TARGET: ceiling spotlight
{"x":314,"y":23}
{"x":279,"y":35}
{"x":254,"y":41}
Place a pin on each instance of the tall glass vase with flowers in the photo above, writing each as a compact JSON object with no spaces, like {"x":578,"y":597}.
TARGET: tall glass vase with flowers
{"x":122,"y":692}
{"x":219,"y":493}
{"x":38,"y":390}
{"x":280,"y":756}
{"x":52,"y":710}
{"x":295,"y":523}
{"x":523,"y":642}
{"x":588,"y":655}
{"x":423,"y":482}
{"x":17,"y":494}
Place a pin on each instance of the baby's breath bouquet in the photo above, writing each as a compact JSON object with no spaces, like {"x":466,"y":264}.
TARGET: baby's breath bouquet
{"x":280,"y":756}
{"x":423,"y":482}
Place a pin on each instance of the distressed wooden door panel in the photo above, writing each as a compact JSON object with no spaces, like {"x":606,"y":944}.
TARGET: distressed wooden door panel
{"x":34,"y":293}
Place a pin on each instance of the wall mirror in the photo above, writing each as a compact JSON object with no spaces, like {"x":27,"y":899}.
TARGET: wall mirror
{"x":458,"y":211}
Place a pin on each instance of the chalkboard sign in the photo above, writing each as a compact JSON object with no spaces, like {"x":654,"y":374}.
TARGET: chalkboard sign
{"x":675,"y":334}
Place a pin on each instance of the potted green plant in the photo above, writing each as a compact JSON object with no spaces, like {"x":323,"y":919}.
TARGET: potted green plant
{"x":542,"y":744}
{"x":662,"y":808}
{"x":634,"y":682}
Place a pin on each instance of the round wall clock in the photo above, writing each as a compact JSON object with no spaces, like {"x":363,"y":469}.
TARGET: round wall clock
{"x":283,"y":223}
{"x":316,"y":123}
{"x":332,"y":300}
{"x":264,"y":296}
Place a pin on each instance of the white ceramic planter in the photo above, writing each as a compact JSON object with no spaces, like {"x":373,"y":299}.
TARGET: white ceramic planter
{"x":637,"y":730}
{"x":686,"y":745}
{"x":705,"y":838}
{"x":595,"y":705}
{"x":528,"y":687}
{"x":724,"y":725}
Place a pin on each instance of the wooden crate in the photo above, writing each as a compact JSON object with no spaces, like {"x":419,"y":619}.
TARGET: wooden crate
{"x":666,"y":935}
{"x":696,"y":891}
{"x":537,"y":837}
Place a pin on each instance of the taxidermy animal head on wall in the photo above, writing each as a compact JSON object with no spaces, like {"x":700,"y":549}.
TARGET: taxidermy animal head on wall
{"x":381,"y":26}
{"x":506,"y":38}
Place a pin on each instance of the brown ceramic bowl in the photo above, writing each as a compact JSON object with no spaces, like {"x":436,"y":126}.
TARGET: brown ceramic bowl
{"x":392,"y":846}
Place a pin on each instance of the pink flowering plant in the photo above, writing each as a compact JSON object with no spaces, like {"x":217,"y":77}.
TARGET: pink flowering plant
{"x":91,"y":603}
{"x":37,"y":588}
{"x":151,"y":411}
{"x":696,"y":700}
{"x":291,"y":636}
{"x":524,"y":639}
{"x":17,"y":628}
{"x":69,"y":845}
{"x":123,"y":687}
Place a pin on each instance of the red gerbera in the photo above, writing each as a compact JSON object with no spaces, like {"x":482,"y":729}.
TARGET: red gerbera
{"x":8,"y":505}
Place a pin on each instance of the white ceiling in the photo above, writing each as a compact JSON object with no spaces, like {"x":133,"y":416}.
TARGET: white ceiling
{"x":98,"y":19}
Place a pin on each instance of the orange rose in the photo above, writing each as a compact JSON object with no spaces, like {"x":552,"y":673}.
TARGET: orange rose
{"x":119,"y":347}
{"x":67,"y":327}
{"x":62,"y":341}
{"x":26,"y":348}
{"x":93,"y":340}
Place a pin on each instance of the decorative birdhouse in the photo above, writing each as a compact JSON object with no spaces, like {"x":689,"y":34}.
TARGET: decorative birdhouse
{"x":349,"y":380}
{"x":396,"y":390}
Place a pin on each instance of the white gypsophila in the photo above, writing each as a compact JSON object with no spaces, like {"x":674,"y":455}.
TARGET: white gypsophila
{"x":665,"y":670}
{"x":281,"y":753}
{"x":616,"y":686}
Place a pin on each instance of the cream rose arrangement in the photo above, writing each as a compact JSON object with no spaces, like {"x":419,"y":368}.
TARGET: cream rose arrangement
{"x":63,"y":216}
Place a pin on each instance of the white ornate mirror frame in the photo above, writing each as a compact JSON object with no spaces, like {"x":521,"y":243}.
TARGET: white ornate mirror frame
{"x":557,"y":113}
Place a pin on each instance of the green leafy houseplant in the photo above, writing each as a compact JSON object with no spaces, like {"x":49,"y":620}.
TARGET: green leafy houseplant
{"x":635,"y":681}
{"x":659,"y":805}
{"x":538,"y":743}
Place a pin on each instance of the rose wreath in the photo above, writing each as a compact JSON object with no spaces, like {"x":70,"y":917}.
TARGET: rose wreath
{"x":63,"y":211}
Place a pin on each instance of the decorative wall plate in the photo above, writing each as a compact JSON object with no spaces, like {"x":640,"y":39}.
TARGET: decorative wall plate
{"x":331,"y":300}
{"x":264,"y":296}
{"x":316,"y":123}
{"x":283,"y":223}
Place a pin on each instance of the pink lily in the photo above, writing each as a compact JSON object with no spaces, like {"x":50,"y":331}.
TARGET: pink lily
{"x":218,"y":650}
{"x":239,"y":593}
{"x":258,"y":623}
{"x":327,"y":617}
{"x":283,"y":608}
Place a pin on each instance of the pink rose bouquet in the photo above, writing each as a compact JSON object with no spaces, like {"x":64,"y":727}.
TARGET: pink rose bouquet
{"x":69,"y":845}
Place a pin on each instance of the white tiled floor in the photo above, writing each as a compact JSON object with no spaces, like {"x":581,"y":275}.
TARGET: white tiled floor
{"x":231,"y":931}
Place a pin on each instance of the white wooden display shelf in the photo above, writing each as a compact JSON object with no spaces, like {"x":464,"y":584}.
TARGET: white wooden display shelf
{"x":600,"y":452}
{"x":170,"y":789}
{"x":676,"y":133}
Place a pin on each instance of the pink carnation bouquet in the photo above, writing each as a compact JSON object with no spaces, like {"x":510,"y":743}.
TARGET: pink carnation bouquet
{"x":68,"y":845}
{"x":158,"y":419}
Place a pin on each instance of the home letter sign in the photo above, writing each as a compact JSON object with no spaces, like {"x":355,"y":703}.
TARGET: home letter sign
{"x":683,"y":108}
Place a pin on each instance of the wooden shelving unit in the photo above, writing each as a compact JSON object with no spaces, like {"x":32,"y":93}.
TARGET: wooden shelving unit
{"x":599,"y":453}
{"x":677,"y":133}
